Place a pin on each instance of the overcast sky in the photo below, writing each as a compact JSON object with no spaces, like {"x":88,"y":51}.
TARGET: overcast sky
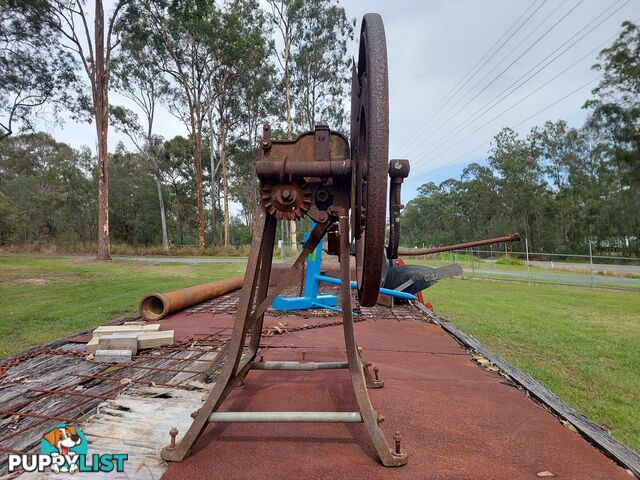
{"x":433,"y":46}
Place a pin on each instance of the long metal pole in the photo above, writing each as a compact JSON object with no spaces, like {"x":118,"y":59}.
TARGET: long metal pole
{"x":591,"y":262}
{"x":460,"y":246}
{"x":309,"y":417}
{"x":526,"y":246}
{"x":473,"y":269}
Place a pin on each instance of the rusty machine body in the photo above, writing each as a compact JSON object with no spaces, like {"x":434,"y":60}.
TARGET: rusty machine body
{"x":340,"y":184}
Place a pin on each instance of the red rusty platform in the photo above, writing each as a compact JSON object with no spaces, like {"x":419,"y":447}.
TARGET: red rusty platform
{"x":457,"y":420}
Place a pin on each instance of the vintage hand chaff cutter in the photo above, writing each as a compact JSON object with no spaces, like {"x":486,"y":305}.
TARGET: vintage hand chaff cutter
{"x":335,"y":182}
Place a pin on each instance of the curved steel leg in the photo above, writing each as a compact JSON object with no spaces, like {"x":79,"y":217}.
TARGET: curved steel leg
{"x":253,"y":302}
{"x":225,"y":381}
{"x":389,"y":457}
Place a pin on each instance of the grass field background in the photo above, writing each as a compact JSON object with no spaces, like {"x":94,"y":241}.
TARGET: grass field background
{"x":582,"y":343}
{"x":45,"y":298}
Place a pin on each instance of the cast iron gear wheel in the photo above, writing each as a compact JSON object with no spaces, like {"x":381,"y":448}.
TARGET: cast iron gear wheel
{"x":286,"y":201}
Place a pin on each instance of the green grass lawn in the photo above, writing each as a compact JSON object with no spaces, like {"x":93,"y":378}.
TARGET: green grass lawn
{"x":46,"y":298}
{"x":581,"y":343}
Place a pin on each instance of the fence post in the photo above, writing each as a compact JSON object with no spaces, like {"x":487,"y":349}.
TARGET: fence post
{"x":473,"y":269}
{"x":591,"y":262}
{"x":526,"y":246}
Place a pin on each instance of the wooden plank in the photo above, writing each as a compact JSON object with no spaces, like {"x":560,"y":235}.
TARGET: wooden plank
{"x":108,"y":329}
{"x":123,"y":425}
{"x":593,"y":432}
{"x":155,"y":339}
{"x":119,"y":341}
{"x":112,"y":356}
{"x":92,"y":345}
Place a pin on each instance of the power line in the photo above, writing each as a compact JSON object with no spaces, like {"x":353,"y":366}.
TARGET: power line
{"x":564,"y":97}
{"x":467,"y":123}
{"x":460,"y":83}
{"x":457,"y":102}
{"x":509,"y":66}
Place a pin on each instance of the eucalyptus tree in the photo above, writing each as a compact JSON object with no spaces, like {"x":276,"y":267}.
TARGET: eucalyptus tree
{"x":70,"y":20}
{"x":616,"y":119}
{"x":310,"y":51}
{"x":244,"y":52}
{"x":36,"y":73}
{"x":184,"y":39}
{"x":138,"y":78}
{"x":519,"y":181}
{"x":258,"y":101}
{"x":321,"y":67}
{"x":616,"y":100}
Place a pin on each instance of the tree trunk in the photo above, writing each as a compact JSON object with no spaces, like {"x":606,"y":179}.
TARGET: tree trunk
{"x":101,"y":107}
{"x":163,"y":217}
{"x":287,"y":87}
{"x":214,"y":186}
{"x":287,"y":91}
{"x":197,"y":158}
{"x":225,"y":180}
{"x":294,"y":235}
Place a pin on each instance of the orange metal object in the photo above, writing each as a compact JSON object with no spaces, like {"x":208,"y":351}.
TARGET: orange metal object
{"x":158,"y":305}
{"x":514,"y":237}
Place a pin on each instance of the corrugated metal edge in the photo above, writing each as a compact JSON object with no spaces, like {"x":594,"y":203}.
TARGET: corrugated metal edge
{"x":594,"y":433}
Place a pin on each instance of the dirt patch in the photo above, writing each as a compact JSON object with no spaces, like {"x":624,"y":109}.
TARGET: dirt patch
{"x":33,"y":281}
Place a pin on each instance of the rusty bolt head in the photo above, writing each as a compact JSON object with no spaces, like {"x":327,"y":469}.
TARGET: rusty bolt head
{"x":397,"y":437}
{"x":173,"y":433}
{"x":381,"y":419}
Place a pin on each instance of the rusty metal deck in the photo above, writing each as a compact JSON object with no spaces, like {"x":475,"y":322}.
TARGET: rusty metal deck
{"x":457,"y":419}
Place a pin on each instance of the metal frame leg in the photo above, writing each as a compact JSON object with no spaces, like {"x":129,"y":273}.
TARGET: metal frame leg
{"x":389,"y":457}
{"x":254,"y":300}
{"x":252,"y":304}
{"x":232,"y":365}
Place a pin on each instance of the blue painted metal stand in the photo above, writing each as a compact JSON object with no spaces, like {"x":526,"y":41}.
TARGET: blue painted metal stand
{"x":312,"y":279}
{"x":311,"y":299}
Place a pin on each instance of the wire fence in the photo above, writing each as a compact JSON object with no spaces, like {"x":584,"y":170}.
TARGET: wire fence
{"x":596,"y":271}
{"x":498,"y":263}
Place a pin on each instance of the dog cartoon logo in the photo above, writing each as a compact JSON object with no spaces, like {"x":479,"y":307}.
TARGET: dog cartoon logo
{"x":64,"y":448}
{"x":66,"y":441}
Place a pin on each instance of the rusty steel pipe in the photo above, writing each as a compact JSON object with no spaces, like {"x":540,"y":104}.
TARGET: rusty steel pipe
{"x":408,"y":252}
{"x":156,"y":306}
{"x":274,"y":169}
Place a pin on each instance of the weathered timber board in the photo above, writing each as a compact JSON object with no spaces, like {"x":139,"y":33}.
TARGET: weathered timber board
{"x":122,"y":426}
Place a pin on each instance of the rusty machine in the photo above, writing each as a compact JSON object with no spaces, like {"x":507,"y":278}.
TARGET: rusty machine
{"x":341,"y":184}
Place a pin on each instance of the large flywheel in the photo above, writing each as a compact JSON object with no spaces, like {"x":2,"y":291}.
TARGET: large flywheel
{"x":370,"y":156}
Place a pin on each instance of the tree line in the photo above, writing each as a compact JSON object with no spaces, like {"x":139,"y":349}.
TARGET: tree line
{"x":220,"y":68}
{"x":562,"y":187}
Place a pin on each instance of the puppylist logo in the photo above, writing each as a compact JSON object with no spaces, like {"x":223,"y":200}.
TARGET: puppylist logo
{"x":64,"y":448}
